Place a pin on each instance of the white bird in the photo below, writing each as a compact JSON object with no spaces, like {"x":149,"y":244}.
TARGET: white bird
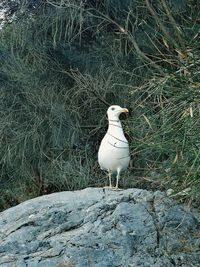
{"x":113,"y":154}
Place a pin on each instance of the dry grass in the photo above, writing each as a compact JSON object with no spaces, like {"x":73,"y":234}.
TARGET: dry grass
{"x":61,"y":71}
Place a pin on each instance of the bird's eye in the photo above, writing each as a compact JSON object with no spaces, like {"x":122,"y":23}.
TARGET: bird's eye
{"x":112,"y":108}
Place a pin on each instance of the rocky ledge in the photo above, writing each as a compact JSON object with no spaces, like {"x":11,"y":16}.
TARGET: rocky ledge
{"x":97,"y":227}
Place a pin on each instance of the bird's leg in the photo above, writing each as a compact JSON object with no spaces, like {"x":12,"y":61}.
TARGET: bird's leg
{"x":110,"y":180}
{"x":117,"y":182}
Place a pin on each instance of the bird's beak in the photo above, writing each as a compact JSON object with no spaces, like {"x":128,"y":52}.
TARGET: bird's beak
{"x":125,"y":110}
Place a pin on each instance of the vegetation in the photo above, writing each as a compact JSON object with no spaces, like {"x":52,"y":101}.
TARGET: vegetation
{"x":65,"y":62}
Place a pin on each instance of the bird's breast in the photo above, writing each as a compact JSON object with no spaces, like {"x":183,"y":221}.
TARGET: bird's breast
{"x":113,"y":153}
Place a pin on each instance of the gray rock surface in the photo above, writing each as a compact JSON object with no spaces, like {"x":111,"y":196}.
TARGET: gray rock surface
{"x":101,"y":228}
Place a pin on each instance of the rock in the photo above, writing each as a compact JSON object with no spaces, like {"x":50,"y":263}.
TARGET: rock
{"x":11,"y":10}
{"x":169,"y":192}
{"x":100,"y":228}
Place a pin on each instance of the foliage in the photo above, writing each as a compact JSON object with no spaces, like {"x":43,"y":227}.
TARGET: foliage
{"x":63,"y":65}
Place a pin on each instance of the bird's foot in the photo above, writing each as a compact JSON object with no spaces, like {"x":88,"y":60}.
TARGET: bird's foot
{"x":108,"y":187}
{"x":117,"y":189}
{"x":113,"y":188}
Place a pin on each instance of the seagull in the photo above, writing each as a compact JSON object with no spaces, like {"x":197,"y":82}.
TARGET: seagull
{"x":113,"y":154}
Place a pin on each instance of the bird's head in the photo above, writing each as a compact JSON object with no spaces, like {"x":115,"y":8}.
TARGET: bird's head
{"x":114,"y":111}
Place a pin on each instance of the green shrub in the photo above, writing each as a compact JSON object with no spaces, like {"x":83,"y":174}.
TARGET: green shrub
{"x":60,"y":69}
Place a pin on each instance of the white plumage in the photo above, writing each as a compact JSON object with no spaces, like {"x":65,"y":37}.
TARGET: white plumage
{"x":113,"y":155}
